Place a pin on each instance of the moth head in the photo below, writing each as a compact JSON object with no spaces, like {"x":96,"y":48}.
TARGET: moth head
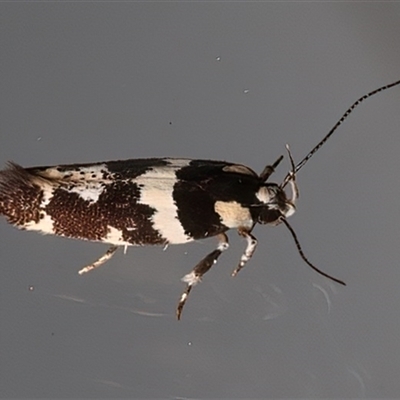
{"x":275,"y":204}
{"x":274,"y":201}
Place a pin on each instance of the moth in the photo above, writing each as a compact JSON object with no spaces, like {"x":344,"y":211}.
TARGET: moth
{"x":156,"y":201}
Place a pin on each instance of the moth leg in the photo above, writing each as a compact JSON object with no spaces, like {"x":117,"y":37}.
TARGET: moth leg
{"x":110,"y":252}
{"x":194,"y":277}
{"x":250,"y":249}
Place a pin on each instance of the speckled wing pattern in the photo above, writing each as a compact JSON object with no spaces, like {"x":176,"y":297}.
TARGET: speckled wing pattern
{"x":129,"y":202}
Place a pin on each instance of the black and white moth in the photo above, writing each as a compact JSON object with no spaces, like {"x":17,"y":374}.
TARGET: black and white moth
{"x":156,"y":201}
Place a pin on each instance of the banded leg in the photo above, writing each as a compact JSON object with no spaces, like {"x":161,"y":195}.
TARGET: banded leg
{"x":104,"y":258}
{"x":249,"y":251}
{"x":194,"y":277}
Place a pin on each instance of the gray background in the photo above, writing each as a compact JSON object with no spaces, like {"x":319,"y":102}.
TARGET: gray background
{"x":84,"y":82}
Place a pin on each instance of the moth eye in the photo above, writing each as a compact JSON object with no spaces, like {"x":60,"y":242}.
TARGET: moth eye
{"x":272,"y":192}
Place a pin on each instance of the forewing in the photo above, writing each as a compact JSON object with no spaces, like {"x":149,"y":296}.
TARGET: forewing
{"x":119,"y":202}
{"x":214,"y":196}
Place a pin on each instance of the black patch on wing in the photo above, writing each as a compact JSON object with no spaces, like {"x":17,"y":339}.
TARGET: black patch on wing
{"x":196,"y":211}
{"x":129,"y":169}
{"x":203,"y":169}
{"x":200,"y":185}
{"x":117,"y":206}
{"x":210,"y":177}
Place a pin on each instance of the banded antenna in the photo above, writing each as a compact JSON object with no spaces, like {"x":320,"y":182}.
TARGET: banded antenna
{"x":301,"y":164}
{"x":291,"y":176}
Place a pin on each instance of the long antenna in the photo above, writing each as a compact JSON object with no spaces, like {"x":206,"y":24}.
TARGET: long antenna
{"x":341,"y":120}
{"x":302,"y":255}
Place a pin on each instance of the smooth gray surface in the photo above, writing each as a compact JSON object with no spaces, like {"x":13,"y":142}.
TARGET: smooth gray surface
{"x":85,"y":82}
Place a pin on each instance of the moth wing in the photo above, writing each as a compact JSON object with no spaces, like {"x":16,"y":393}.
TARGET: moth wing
{"x":213,"y":196}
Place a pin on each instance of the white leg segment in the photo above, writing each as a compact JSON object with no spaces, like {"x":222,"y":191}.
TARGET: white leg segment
{"x":104,"y":258}
{"x":249,"y":251}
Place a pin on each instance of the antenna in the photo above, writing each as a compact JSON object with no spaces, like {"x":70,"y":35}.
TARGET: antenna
{"x":341,"y":120}
{"x":302,"y":255}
